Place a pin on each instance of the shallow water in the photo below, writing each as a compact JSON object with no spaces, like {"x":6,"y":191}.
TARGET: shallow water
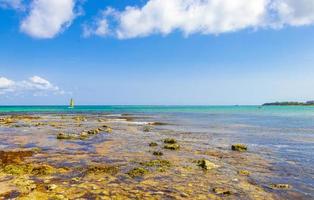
{"x":284,"y":136}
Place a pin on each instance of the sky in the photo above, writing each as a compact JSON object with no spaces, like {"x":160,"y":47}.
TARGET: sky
{"x":156,"y":52}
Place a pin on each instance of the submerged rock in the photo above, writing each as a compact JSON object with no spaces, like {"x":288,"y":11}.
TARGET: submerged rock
{"x":172,"y":146}
{"x":239,"y":147}
{"x":280,"y":186}
{"x":170,"y":141}
{"x":206,"y":164}
{"x":137,"y":172}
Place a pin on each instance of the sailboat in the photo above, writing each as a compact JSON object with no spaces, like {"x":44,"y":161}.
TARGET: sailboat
{"x":71,"y":103}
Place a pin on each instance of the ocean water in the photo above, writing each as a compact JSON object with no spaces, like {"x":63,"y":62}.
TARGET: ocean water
{"x":282,"y":134}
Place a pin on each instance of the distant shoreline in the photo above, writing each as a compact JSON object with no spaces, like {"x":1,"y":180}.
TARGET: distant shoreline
{"x":290,"y":103}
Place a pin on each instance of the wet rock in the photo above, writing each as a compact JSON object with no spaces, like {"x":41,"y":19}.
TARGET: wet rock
{"x":280,"y":186}
{"x":36,"y":149}
{"x":156,"y":163}
{"x":64,"y":136}
{"x":158,"y":123}
{"x":17,"y":169}
{"x":51,"y":187}
{"x":6,"y":120}
{"x":137,"y":172}
{"x":42,"y":170}
{"x":93,"y":132}
{"x":170,"y":141}
{"x":10,"y":157}
{"x":46,"y":180}
{"x":24,"y":184}
{"x":239,"y":147}
{"x":100,"y":129}
{"x":76,"y":179}
{"x":39,"y":124}
{"x":102,"y":169}
{"x":79,"y":118}
{"x":58,"y":197}
{"x":244,"y":172}
{"x":83,"y":135}
{"x":108,"y":130}
{"x":206,"y":164}
{"x":153,"y":144}
{"x":172,"y":146}
{"x":221,"y":191}
{"x":157,"y":153}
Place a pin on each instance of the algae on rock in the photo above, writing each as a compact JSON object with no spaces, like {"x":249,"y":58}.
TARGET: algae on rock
{"x":172,"y":146}
{"x":207,"y":165}
{"x":239,"y":147}
{"x":137,"y":172}
{"x":170,"y":141}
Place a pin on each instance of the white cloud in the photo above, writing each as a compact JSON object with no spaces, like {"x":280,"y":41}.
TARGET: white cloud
{"x":34,"y":85}
{"x":293,"y":12}
{"x":201,"y":16}
{"x":47,"y":18}
{"x":6,"y":85}
{"x":15,"y":4}
{"x":100,"y":25}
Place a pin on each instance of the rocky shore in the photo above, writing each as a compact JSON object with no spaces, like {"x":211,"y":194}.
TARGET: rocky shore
{"x":98,"y":156}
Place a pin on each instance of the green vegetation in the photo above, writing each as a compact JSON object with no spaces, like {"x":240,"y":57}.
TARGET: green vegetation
{"x":290,"y":103}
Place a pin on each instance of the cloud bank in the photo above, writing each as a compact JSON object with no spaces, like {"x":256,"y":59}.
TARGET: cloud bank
{"x":47,"y":18}
{"x":200,"y":16}
{"x":35,"y":85}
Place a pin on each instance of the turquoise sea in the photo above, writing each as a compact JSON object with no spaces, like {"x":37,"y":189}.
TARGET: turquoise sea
{"x":282,"y":134}
{"x":258,"y":110}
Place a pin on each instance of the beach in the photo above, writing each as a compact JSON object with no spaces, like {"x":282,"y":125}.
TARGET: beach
{"x":156,"y":152}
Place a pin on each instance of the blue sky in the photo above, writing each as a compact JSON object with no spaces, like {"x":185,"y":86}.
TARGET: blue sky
{"x":100,"y":52}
